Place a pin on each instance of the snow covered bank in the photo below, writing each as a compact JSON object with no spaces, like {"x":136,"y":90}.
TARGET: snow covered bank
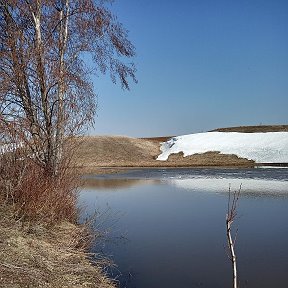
{"x":270,"y":147}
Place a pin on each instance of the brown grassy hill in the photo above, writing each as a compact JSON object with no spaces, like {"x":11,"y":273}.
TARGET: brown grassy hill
{"x":101,"y":152}
{"x":254,"y":129}
{"x":115,"y":152}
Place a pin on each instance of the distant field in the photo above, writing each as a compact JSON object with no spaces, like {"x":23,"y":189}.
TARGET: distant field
{"x":254,"y":129}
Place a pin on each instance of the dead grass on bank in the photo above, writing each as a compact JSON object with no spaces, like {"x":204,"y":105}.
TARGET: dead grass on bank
{"x":211,"y":159}
{"x":41,"y":256}
{"x":41,"y":244}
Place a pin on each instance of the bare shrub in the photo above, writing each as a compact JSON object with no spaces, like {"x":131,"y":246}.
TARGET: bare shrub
{"x":35,"y":194}
{"x":11,"y":171}
{"x":42,"y":197}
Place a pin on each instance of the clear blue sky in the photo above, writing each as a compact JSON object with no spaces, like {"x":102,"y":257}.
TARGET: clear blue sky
{"x":201,"y":65}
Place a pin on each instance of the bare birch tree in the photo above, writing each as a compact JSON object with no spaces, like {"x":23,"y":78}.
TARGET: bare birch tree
{"x":46,"y":93}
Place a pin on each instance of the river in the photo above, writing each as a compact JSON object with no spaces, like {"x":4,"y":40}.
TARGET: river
{"x":166,"y":227}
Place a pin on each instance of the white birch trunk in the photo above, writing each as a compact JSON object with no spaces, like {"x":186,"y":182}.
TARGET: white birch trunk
{"x":63,"y":36}
{"x":232,"y":251}
{"x":45,"y":138}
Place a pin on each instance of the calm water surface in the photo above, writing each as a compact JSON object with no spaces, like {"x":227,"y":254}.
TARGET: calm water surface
{"x":167,"y":227}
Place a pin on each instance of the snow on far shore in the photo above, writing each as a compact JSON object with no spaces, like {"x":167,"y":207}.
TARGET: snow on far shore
{"x":269,"y":147}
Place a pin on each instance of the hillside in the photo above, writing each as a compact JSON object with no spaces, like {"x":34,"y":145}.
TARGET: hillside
{"x":96,"y":154}
{"x":101,"y":152}
{"x":254,"y":129}
{"x":114,"y":151}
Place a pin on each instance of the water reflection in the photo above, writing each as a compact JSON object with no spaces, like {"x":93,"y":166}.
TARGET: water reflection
{"x":120,"y":183}
{"x":278,"y":174}
{"x":249,"y":187}
{"x":175,"y":223}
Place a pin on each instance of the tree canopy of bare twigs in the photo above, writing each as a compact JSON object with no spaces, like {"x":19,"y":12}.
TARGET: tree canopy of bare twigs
{"x":46,"y":92}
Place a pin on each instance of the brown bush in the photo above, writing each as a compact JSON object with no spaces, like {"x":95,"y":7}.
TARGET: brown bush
{"x":40,"y":246}
{"x":36,"y":195}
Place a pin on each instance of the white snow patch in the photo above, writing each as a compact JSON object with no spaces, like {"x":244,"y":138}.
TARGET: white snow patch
{"x":269,"y":147}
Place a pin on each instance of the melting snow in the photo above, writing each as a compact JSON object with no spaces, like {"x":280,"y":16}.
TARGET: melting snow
{"x":270,"y":147}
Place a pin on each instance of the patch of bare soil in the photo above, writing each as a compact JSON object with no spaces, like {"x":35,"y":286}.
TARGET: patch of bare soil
{"x":110,"y":154}
{"x":39,"y":256}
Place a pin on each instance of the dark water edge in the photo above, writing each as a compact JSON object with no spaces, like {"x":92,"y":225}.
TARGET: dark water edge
{"x":261,"y":172}
{"x":167,"y":226}
{"x":275,"y":165}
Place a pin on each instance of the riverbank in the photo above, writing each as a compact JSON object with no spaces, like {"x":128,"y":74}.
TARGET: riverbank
{"x":42,"y":243}
{"x":37,"y":255}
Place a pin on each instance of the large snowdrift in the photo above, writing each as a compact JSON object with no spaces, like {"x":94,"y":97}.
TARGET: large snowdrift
{"x":270,"y":147}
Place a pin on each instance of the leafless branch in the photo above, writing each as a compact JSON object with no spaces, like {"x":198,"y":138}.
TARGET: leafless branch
{"x":233,"y":199}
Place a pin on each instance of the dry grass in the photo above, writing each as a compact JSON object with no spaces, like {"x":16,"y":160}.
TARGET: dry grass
{"x":115,"y":151}
{"x":158,"y":139}
{"x":34,"y":195}
{"x":41,"y":244}
{"x":41,"y":256}
{"x":210,"y":159}
{"x":254,"y":129}
{"x":96,"y":154}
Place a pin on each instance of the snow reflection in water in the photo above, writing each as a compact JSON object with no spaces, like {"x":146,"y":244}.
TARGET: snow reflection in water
{"x":248,"y":186}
